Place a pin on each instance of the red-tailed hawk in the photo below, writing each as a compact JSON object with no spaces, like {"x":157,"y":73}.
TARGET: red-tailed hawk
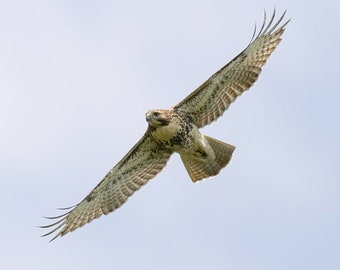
{"x":177,"y":130}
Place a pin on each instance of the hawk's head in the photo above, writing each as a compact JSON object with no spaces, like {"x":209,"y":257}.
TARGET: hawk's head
{"x":158,"y":118}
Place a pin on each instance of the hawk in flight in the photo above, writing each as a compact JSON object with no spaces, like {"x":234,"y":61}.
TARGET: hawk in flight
{"x":177,"y":130}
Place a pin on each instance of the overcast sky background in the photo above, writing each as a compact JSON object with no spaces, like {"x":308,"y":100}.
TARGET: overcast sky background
{"x":76,"y":78}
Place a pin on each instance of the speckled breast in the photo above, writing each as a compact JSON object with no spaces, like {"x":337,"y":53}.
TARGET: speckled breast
{"x":177,"y":134}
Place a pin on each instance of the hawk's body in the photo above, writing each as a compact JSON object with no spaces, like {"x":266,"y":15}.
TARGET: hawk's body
{"x":177,"y":130}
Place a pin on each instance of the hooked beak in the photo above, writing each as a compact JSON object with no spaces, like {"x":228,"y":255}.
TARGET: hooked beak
{"x":148,"y":116}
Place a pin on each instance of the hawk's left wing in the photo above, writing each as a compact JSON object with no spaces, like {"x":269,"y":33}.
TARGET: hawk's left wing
{"x":143,"y":162}
{"x":213,"y":97}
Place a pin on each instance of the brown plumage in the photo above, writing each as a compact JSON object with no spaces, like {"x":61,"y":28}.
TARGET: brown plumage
{"x":177,"y":130}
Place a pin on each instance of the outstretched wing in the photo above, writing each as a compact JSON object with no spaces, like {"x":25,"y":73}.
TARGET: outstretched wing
{"x":213,"y":97}
{"x":144,"y":161}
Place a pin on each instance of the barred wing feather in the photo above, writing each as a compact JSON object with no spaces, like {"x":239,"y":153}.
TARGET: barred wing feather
{"x":212,"y":98}
{"x":144,"y":161}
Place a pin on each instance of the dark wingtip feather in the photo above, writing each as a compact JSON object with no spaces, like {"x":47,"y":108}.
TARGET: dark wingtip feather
{"x":59,"y":223}
{"x":268,"y":28}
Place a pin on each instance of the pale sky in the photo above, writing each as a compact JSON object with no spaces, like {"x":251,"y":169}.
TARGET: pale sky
{"x":76,"y":78}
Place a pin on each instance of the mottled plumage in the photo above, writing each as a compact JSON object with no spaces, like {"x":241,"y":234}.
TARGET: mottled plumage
{"x":177,"y":130}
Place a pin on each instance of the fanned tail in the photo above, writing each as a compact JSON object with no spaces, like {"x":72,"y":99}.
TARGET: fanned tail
{"x":203,"y":167}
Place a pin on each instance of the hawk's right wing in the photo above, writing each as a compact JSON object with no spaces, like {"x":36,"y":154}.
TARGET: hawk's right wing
{"x":143,"y":162}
